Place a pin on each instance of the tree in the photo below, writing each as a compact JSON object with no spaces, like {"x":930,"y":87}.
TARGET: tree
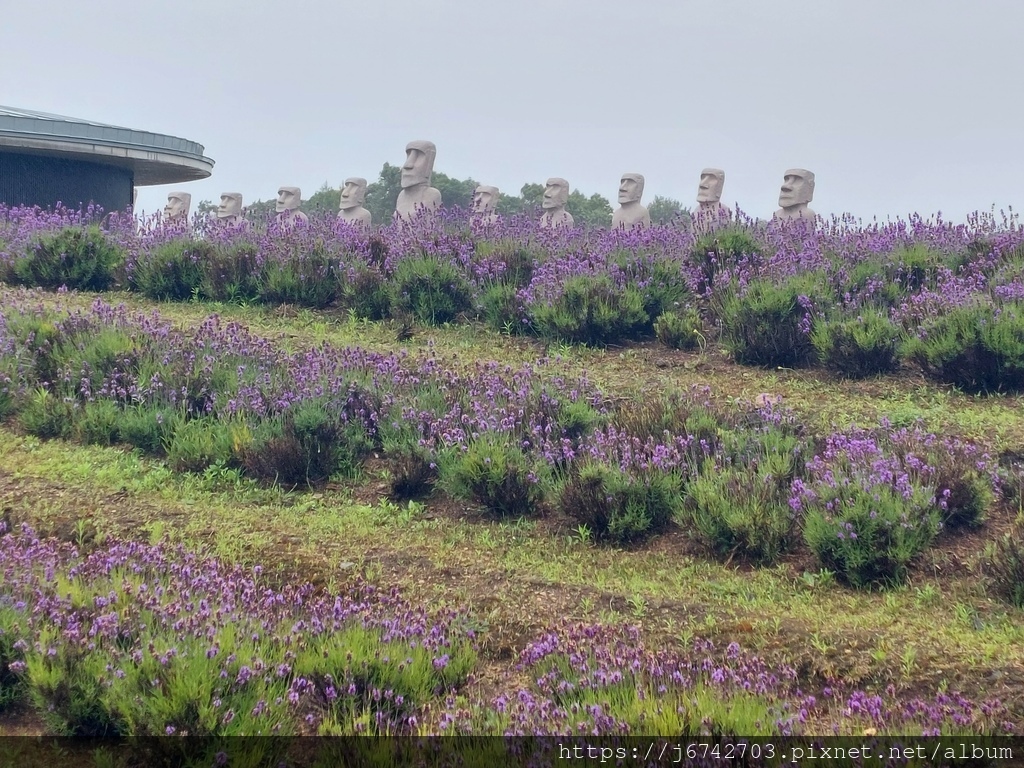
{"x":665,"y":210}
{"x":206,"y":207}
{"x":454,"y":192}
{"x":593,"y":211}
{"x":324,"y":200}
{"x":382,"y":195}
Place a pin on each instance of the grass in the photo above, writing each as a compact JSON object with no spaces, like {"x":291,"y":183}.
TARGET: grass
{"x":521,"y":576}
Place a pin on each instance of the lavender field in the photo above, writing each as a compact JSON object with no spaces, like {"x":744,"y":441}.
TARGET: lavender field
{"x":465,"y":480}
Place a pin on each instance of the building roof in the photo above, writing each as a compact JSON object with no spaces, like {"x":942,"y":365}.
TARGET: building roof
{"x":153,"y":157}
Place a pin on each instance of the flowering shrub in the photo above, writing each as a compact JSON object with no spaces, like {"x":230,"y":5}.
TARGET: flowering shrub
{"x":867,"y":513}
{"x":770,"y":324}
{"x":81,"y":258}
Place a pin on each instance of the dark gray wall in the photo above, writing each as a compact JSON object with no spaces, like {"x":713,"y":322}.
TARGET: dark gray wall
{"x":45,"y":181}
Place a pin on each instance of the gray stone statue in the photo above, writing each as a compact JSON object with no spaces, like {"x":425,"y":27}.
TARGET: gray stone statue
{"x":797,"y":191}
{"x":229,"y":212}
{"x":288,"y":201}
{"x":417,"y":196}
{"x":710,"y":213}
{"x":177,"y":207}
{"x":485,"y":201}
{"x":353,"y":195}
{"x":556,"y":196}
{"x":630,"y":213}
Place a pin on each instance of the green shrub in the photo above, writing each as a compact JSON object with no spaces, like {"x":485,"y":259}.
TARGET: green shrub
{"x":232,"y":273}
{"x":309,"y":280}
{"x":413,"y":473}
{"x":148,"y":428}
{"x":495,"y":474}
{"x":870,"y":536}
{"x":172,"y":271}
{"x":1004,"y":566}
{"x":867,"y":345}
{"x":591,"y":310}
{"x":200,"y":443}
{"x":769,"y":325}
{"x":97,"y":423}
{"x":431,"y":290}
{"x":617,"y":507}
{"x":368,"y":295}
{"x":578,"y":418}
{"x":82,"y":258}
{"x":680,"y":329}
{"x":47,"y":415}
{"x":978,"y":348}
{"x":739,"y":510}
{"x":502,"y":309}
{"x":306,"y":445}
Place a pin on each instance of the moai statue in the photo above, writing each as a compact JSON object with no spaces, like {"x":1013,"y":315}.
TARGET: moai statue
{"x":417,"y":196}
{"x":797,"y":191}
{"x":353,"y":195}
{"x":485,"y":200}
{"x":177,"y":207}
{"x":288,"y":201}
{"x":229,"y":212}
{"x":556,"y":195}
{"x":710,"y":213}
{"x":630,"y":213}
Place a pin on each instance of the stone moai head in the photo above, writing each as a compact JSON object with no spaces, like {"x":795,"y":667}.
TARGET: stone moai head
{"x":230,"y":205}
{"x":485,"y":199}
{"x":353,"y":193}
{"x":556,"y":193}
{"x":712,"y":180}
{"x":177,"y":206}
{"x":419,"y":163}
{"x":631,"y":188}
{"x":288,"y":199}
{"x":797,"y":188}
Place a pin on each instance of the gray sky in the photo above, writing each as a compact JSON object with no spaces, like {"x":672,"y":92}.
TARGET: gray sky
{"x":898,"y":106}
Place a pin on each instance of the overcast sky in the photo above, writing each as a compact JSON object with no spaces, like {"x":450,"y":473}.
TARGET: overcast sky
{"x":897,"y":106}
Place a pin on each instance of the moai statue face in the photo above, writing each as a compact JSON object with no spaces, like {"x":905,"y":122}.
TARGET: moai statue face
{"x":288,"y":199}
{"x":631,"y":188}
{"x":419,"y":163}
{"x":177,"y":205}
{"x":353,"y":193}
{"x":712,"y":180}
{"x":556,"y":193}
{"x":230,"y":205}
{"x":485,"y":199}
{"x":797,"y":188}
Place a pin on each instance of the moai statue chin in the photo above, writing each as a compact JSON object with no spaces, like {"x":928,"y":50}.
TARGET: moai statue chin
{"x":288,"y":201}
{"x":797,"y":191}
{"x":353,"y":195}
{"x":485,"y":203}
{"x":630,"y":214}
{"x":176,"y":210}
{"x":710,"y":213}
{"x":556,"y":196}
{"x":229,"y":212}
{"x":417,"y":196}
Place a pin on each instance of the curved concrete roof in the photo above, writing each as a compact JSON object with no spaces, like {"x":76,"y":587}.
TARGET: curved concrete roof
{"x":152,"y":157}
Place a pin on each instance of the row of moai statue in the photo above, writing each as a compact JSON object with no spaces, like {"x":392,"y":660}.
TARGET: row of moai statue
{"x":419,"y":198}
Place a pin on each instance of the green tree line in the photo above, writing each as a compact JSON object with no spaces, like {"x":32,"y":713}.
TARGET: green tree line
{"x":381,"y":196}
